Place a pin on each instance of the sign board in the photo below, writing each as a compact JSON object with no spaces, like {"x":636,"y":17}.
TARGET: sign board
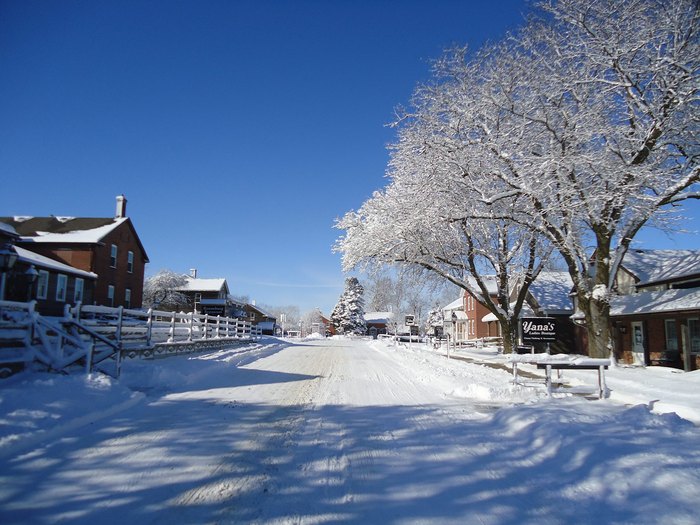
{"x":414,"y":330}
{"x":213,"y":310}
{"x":410,"y":320}
{"x":538,"y":329}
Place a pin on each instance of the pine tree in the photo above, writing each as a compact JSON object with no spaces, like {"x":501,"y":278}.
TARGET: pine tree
{"x":436,"y":318}
{"x":348,"y":316}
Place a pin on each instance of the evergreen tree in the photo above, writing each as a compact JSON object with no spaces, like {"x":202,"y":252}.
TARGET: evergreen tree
{"x":436,"y":317}
{"x":348,"y":316}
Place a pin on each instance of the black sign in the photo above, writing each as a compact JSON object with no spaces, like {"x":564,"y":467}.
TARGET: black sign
{"x":414,"y":330}
{"x":538,"y":329}
{"x":409,"y":320}
{"x":213,"y":310}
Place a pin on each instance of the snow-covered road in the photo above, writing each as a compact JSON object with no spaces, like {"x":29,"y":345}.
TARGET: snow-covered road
{"x":339,"y":430}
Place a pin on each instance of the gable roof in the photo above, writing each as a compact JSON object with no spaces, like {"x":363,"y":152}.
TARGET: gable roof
{"x":204,"y":285}
{"x":660,"y":266}
{"x":250,"y":306}
{"x":489,"y":280}
{"x":68,"y":230}
{"x":457,"y":304}
{"x":551,"y":291}
{"x":63,"y":229}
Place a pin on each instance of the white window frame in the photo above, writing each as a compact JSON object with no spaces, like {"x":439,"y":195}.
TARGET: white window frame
{"x":130,"y":262}
{"x":110,"y":294}
{"x":42,"y":285}
{"x":79,"y":291}
{"x":673,"y":347}
{"x":113,"y":253}
{"x":61,"y":287}
{"x":127,"y":298}
{"x":694,"y":342}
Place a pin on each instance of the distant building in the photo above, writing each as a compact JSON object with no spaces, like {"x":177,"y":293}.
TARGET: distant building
{"x":257,"y":316}
{"x":380,"y":321}
{"x":210,"y":296}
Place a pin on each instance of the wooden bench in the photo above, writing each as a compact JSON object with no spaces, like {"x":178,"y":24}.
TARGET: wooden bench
{"x":595,"y":364}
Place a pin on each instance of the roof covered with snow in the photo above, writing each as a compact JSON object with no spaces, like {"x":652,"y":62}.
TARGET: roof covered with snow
{"x":656,"y":302}
{"x":656,"y":266}
{"x":378,"y":317}
{"x":262,"y":312}
{"x":67,"y":230}
{"x":8,"y":230}
{"x":551,"y":291}
{"x":205,"y":285}
{"x":40,"y":261}
{"x":457,"y":304}
{"x":63,"y":229}
{"x":490,"y":282}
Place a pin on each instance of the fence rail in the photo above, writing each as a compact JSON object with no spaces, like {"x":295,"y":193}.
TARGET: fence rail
{"x":92,"y":334}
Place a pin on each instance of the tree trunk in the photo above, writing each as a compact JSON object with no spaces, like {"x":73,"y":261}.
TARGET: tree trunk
{"x":509,"y":332}
{"x":598,"y":326}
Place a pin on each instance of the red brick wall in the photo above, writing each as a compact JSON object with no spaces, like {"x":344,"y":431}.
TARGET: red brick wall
{"x":96,"y":258}
{"x":125,"y":239}
{"x":655,"y":337}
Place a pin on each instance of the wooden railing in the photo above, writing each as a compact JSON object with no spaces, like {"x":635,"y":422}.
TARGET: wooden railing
{"x":150,"y":327}
{"x":92,"y":334}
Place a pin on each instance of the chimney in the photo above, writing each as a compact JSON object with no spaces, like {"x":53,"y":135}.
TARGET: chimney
{"x":121,"y":207}
{"x":193,"y":273}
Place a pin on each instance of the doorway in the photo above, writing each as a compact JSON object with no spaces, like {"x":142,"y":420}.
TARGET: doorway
{"x":638,"y":343}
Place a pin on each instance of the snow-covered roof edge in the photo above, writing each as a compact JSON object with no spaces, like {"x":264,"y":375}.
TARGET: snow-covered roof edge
{"x":41,"y":261}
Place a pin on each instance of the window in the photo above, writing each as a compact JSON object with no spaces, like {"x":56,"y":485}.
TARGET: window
{"x":127,"y":298}
{"x":61,"y":287}
{"x":78,"y":294}
{"x":130,"y":262}
{"x":113,"y":256}
{"x":694,"y":335}
{"x":110,"y":295}
{"x":671,"y":335}
{"x":42,"y":285}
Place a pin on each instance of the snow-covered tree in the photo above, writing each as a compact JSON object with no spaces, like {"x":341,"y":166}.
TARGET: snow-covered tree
{"x":436,"y":317}
{"x":313,"y":320}
{"x":577,"y":131}
{"x":161,"y":290}
{"x":348,"y":316}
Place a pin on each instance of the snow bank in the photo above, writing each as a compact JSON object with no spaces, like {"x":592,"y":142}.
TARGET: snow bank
{"x":37,"y":407}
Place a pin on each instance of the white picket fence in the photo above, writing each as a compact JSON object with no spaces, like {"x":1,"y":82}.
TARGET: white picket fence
{"x":92,"y":334}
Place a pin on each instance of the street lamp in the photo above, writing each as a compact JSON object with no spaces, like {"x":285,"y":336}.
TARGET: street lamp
{"x":454,"y":330}
{"x":7,"y":260}
{"x":31,"y":275}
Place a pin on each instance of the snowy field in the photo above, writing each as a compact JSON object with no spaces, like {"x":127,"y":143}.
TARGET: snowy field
{"x":345,"y":431}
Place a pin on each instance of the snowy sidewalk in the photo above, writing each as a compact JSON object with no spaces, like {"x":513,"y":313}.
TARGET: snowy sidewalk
{"x":664,"y":390}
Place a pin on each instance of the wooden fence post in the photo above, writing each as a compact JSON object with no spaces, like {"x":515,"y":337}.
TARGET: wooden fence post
{"x":149,"y":327}
{"x":120,"y":320}
{"x":172,"y":328}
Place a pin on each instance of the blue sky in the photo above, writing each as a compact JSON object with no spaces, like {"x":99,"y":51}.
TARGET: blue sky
{"x":237,"y":130}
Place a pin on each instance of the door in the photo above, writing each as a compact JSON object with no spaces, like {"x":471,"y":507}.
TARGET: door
{"x":638,"y":343}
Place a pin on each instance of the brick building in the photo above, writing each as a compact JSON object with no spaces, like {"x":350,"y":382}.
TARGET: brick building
{"x":109,"y":248}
